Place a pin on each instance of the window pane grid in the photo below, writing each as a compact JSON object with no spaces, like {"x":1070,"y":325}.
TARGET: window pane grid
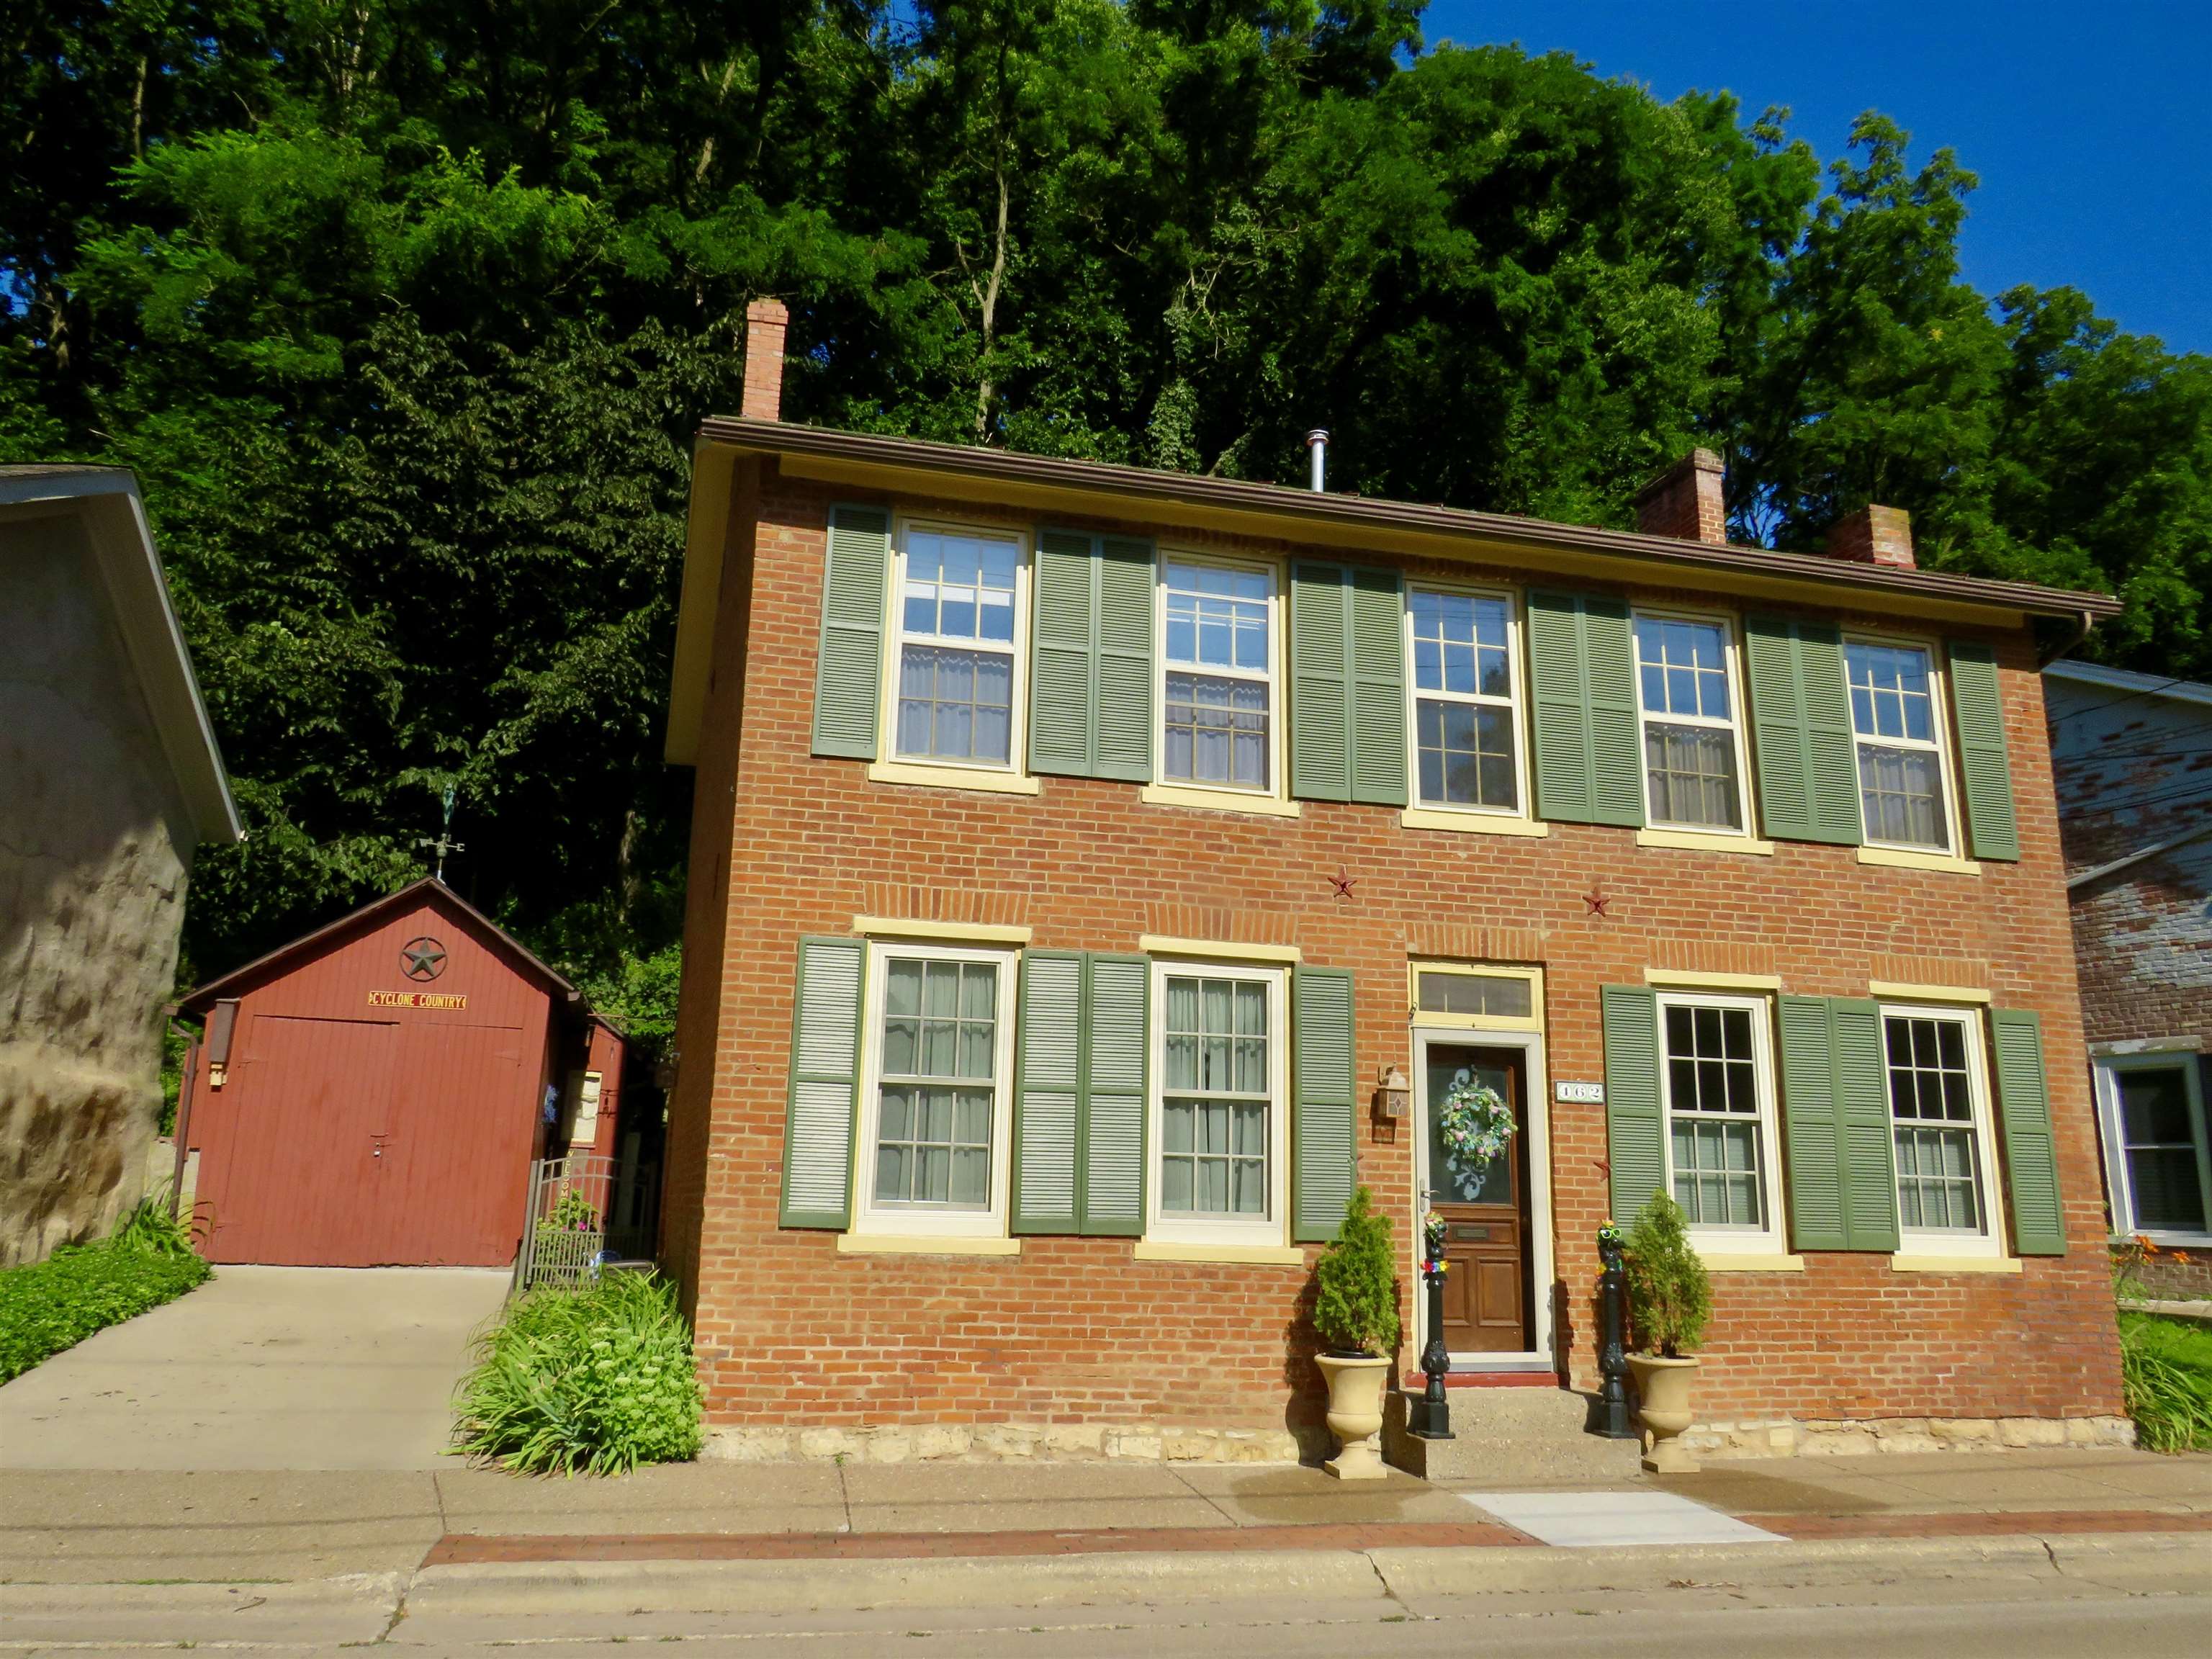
{"x":2161,"y":1133}
{"x":1689,"y":724}
{"x":1939,"y":1175}
{"x":937,"y":1085}
{"x":956,"y":693}
{"x":955,"y":705}
{"x":1216,"y":706}
{"x":1216,"y":1099}
{"x":1900,"y":762}
{"x":1712,"y":1104}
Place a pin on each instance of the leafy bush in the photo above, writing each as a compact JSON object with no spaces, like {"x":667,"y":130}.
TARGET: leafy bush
{"x":573,"y":1214}
{"x":2165,"y":1377}
{"x":1669,"y":1297}
{"x":51,"y":1305}
{"x":599,"y":1380}
{"x":1356,"y":1284}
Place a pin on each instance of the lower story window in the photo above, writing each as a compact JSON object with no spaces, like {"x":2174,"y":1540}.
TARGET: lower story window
{"x":1719,"y":1093}
{"x":1219,"y":1163}
{"x":2160,"y":1111}
{"x":938,"y":1077}
{"x":1935,"y":1122}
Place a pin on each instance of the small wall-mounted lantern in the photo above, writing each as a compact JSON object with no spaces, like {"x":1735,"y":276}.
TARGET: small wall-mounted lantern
{"x":1394,"y":1098}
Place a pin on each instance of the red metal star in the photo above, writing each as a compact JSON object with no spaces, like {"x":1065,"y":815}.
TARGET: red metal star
{"x":1597,"y":899}
{"x":1343,"y":883}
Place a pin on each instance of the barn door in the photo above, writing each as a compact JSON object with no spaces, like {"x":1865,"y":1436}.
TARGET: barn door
{"x":464,"y":1127}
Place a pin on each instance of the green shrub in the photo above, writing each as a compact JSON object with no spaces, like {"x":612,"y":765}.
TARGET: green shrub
{"x":51,"y":1305}
{"x":599,"y":1380}
{"x":1356,"y":1284}
{"x":1669,"y":1297}
{"x":2165,"y":1378}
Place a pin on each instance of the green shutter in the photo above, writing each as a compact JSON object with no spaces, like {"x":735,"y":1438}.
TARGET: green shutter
{"x":1589,"y":764}
{"x":2038,"y":1225}
{"x":1048,"y":1092}
{"x":1992,"y":827}
{"x":825,"y":1078}
{"x":1801,"y":730}
{"x":1635,"y":1130}
{"x":1378,"y":688}
{"x":1091,"y":655}
{"x":1320,"y":684}
{"x":1862,"y":1114}
{"x":1127,"y":576}
{"x":1117,"y":1037}
{"x":1835,"y":1105}
{"x":1324,"y":1164}
{"x":848,"y":671}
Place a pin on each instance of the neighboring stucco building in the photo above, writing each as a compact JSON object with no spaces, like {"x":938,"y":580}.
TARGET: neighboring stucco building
{"x":2131,"y":755}
{"x":1079,"y":852}
{"x":109,"y":779}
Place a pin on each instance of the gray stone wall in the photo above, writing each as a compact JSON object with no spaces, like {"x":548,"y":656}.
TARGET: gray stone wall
{"x":95,"y":847}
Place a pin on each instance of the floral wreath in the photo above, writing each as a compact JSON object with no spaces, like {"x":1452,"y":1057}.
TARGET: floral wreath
{"x":1474,"y":1124}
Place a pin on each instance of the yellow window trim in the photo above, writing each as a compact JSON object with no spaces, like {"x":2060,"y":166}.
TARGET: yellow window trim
{"x":1417,"y":966}
{"x":1218,"y":800}
{"x":1244,"y":1256}
{"x":952,"y":777}
{"x":1162,"y":944}
{"x":1900,"y":991}
{"x":1954,"y":1264}
{"x":1684,"y":979}
{"x":1470,"y":824}
{"x":1696,"y":841}
{"x":923,"y":1244}
{"x":1721,"y":1262}
{"x":971,"y":932}
{"x":1901,"y":858}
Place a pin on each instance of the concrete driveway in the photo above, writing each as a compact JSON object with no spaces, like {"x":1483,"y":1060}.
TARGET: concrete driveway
{"x":261,"y":1368}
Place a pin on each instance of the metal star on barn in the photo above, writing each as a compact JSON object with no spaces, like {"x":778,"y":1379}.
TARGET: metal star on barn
{"x":425,"y":959}
{"x":1597,"y":899}
{"x":1343,"y":883}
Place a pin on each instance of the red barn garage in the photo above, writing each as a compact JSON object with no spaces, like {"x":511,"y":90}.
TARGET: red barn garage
{"x":373,"y":1093}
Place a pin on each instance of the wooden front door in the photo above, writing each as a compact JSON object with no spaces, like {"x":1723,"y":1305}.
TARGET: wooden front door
{"x":1487,"y":1307}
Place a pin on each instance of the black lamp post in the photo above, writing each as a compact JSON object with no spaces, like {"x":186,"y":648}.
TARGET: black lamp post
{"x":1430,"y":1416}
{"x":1613,"y":1342}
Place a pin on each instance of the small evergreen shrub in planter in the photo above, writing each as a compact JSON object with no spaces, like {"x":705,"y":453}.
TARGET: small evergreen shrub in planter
{"x":1669,"y":1301}
{"x":1355,"y":1316}
{"x":597,"y":1380}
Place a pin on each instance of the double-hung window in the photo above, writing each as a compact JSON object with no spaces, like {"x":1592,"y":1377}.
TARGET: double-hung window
{"x":1217,"y":657}
{"x":936,"y":1109}
{"x":959,"y":619}
{"x":2160,"y":1153}
{"x":1897,"y":722}
{"x":1218,"y":1109}
{"x":1940,"y":1125}
{"x":1466,"y":744}
{"x":1719,"y":1091}
{"x":1694,"y":763}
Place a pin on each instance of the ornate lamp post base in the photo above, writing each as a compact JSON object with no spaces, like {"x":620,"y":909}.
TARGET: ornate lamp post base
{"x":1428,"y":1418}
{"x":1613,"y":1417}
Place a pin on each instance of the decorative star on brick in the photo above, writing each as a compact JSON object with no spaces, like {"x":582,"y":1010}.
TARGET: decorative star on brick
{"x":1596,"y":900}
{"x":1343,"y":883}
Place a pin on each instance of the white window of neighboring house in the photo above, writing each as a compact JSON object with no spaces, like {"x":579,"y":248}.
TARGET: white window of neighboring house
{"x":2158,"y":1153}
{"x":1217,"y":700}
{"x":1693,"y":759}
{"x":960,"y":611}
{"x":1219,"y":1115}
{"x":935,"y":1106}
{"x":1897,"y":718}
{"x":1717,"y":1083}
{"x":1939,"y":1113}
{"x":1466,"y":695}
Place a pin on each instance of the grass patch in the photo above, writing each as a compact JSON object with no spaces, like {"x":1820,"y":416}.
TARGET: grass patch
{"x":596,"y":1380}
{"x":2165,"y":1371}
{"x":51,"y":1305}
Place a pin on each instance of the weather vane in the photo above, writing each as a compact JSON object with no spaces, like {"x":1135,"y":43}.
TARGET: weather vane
{"x":444,"y":840}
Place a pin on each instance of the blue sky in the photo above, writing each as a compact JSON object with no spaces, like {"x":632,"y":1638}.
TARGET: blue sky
{"x":2090,"y":125}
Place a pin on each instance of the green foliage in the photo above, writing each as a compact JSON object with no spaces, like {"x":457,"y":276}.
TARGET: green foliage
{"x":1356,"y":1284}
{"x":1670,"y":1296}
{"x":574,"y":1213}
{"x":51,"y":1305}
{"x":596,"y":1380}
{"x":2166,"y":1375}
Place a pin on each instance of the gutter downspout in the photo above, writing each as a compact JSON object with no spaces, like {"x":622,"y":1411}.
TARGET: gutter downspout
{"x":2077,"y":631}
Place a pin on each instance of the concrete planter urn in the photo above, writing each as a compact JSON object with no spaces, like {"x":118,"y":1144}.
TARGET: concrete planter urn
{"x":1355,"y":1413}
{"x":1663,"y":1395}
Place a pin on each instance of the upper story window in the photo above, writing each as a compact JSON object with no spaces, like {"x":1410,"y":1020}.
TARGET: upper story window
{"x":1719,"y":1098}
{"x":1220,"y":1117}
{"x":1693,"y":762}
{"x":959,"y":619}
{"x":1940,"y":1119}
{"x":1897,"y":722}
{"x":1217,"y":664}
{"x":1465,"y":743}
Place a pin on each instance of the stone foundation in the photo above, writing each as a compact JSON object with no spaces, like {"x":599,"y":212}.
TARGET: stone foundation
{"x":1783,"y":1436}
{"x":1003,"y":1442}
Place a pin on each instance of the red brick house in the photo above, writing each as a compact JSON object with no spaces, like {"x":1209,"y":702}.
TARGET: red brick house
{"x":1078,"y":851}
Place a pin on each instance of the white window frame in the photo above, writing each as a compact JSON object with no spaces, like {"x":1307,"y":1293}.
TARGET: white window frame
{"x":1921,"y":1242}
{"x":1514,"y":702}
{"x":1017,"y":762}
{"x":1275,"y":679}
{"x":2107,"y":1070}
{"x":1731,"y":663}
{"x":870,"y":1216}
{"x":1771,"y":1238}
{"x":1939,"y":716}
{"x":1274,"y":1228}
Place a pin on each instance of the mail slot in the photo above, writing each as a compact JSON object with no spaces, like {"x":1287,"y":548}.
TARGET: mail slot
{"x":1463,"y":1234}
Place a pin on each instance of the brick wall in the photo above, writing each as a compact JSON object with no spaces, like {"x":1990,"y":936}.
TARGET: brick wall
{"x":789,"y":1330}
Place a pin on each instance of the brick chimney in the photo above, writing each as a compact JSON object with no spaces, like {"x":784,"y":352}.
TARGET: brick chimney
{"x":765,"y":322}
{"x":1874,"y":535}
{"x":1686,"y":501}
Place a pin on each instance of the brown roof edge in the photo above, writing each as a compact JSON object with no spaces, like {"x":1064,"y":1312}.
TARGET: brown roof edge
{"x":1280,"y":502}
{"x":214,"y":989}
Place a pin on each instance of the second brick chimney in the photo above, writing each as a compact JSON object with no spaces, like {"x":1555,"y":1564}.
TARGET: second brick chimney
{"x":1874,"y":535}
{"x":765,"y":322}
{"x":1686,"y":501}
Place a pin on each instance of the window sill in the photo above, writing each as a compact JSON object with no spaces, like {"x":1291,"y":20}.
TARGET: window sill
{"x":1729,"y":1261}
{"x":1248,"y":1256}
{"x":1899,"y":858}
{"x":924,"y":1244}
{"x":1218,"y":800}
{"x":952,"y":777}
{"x":1698,"y":841}
{"x":1954,"y":1264}
{"x":1469,"y":823}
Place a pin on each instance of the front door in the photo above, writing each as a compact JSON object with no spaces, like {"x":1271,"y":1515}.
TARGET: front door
{"x":1487,"y":1306}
